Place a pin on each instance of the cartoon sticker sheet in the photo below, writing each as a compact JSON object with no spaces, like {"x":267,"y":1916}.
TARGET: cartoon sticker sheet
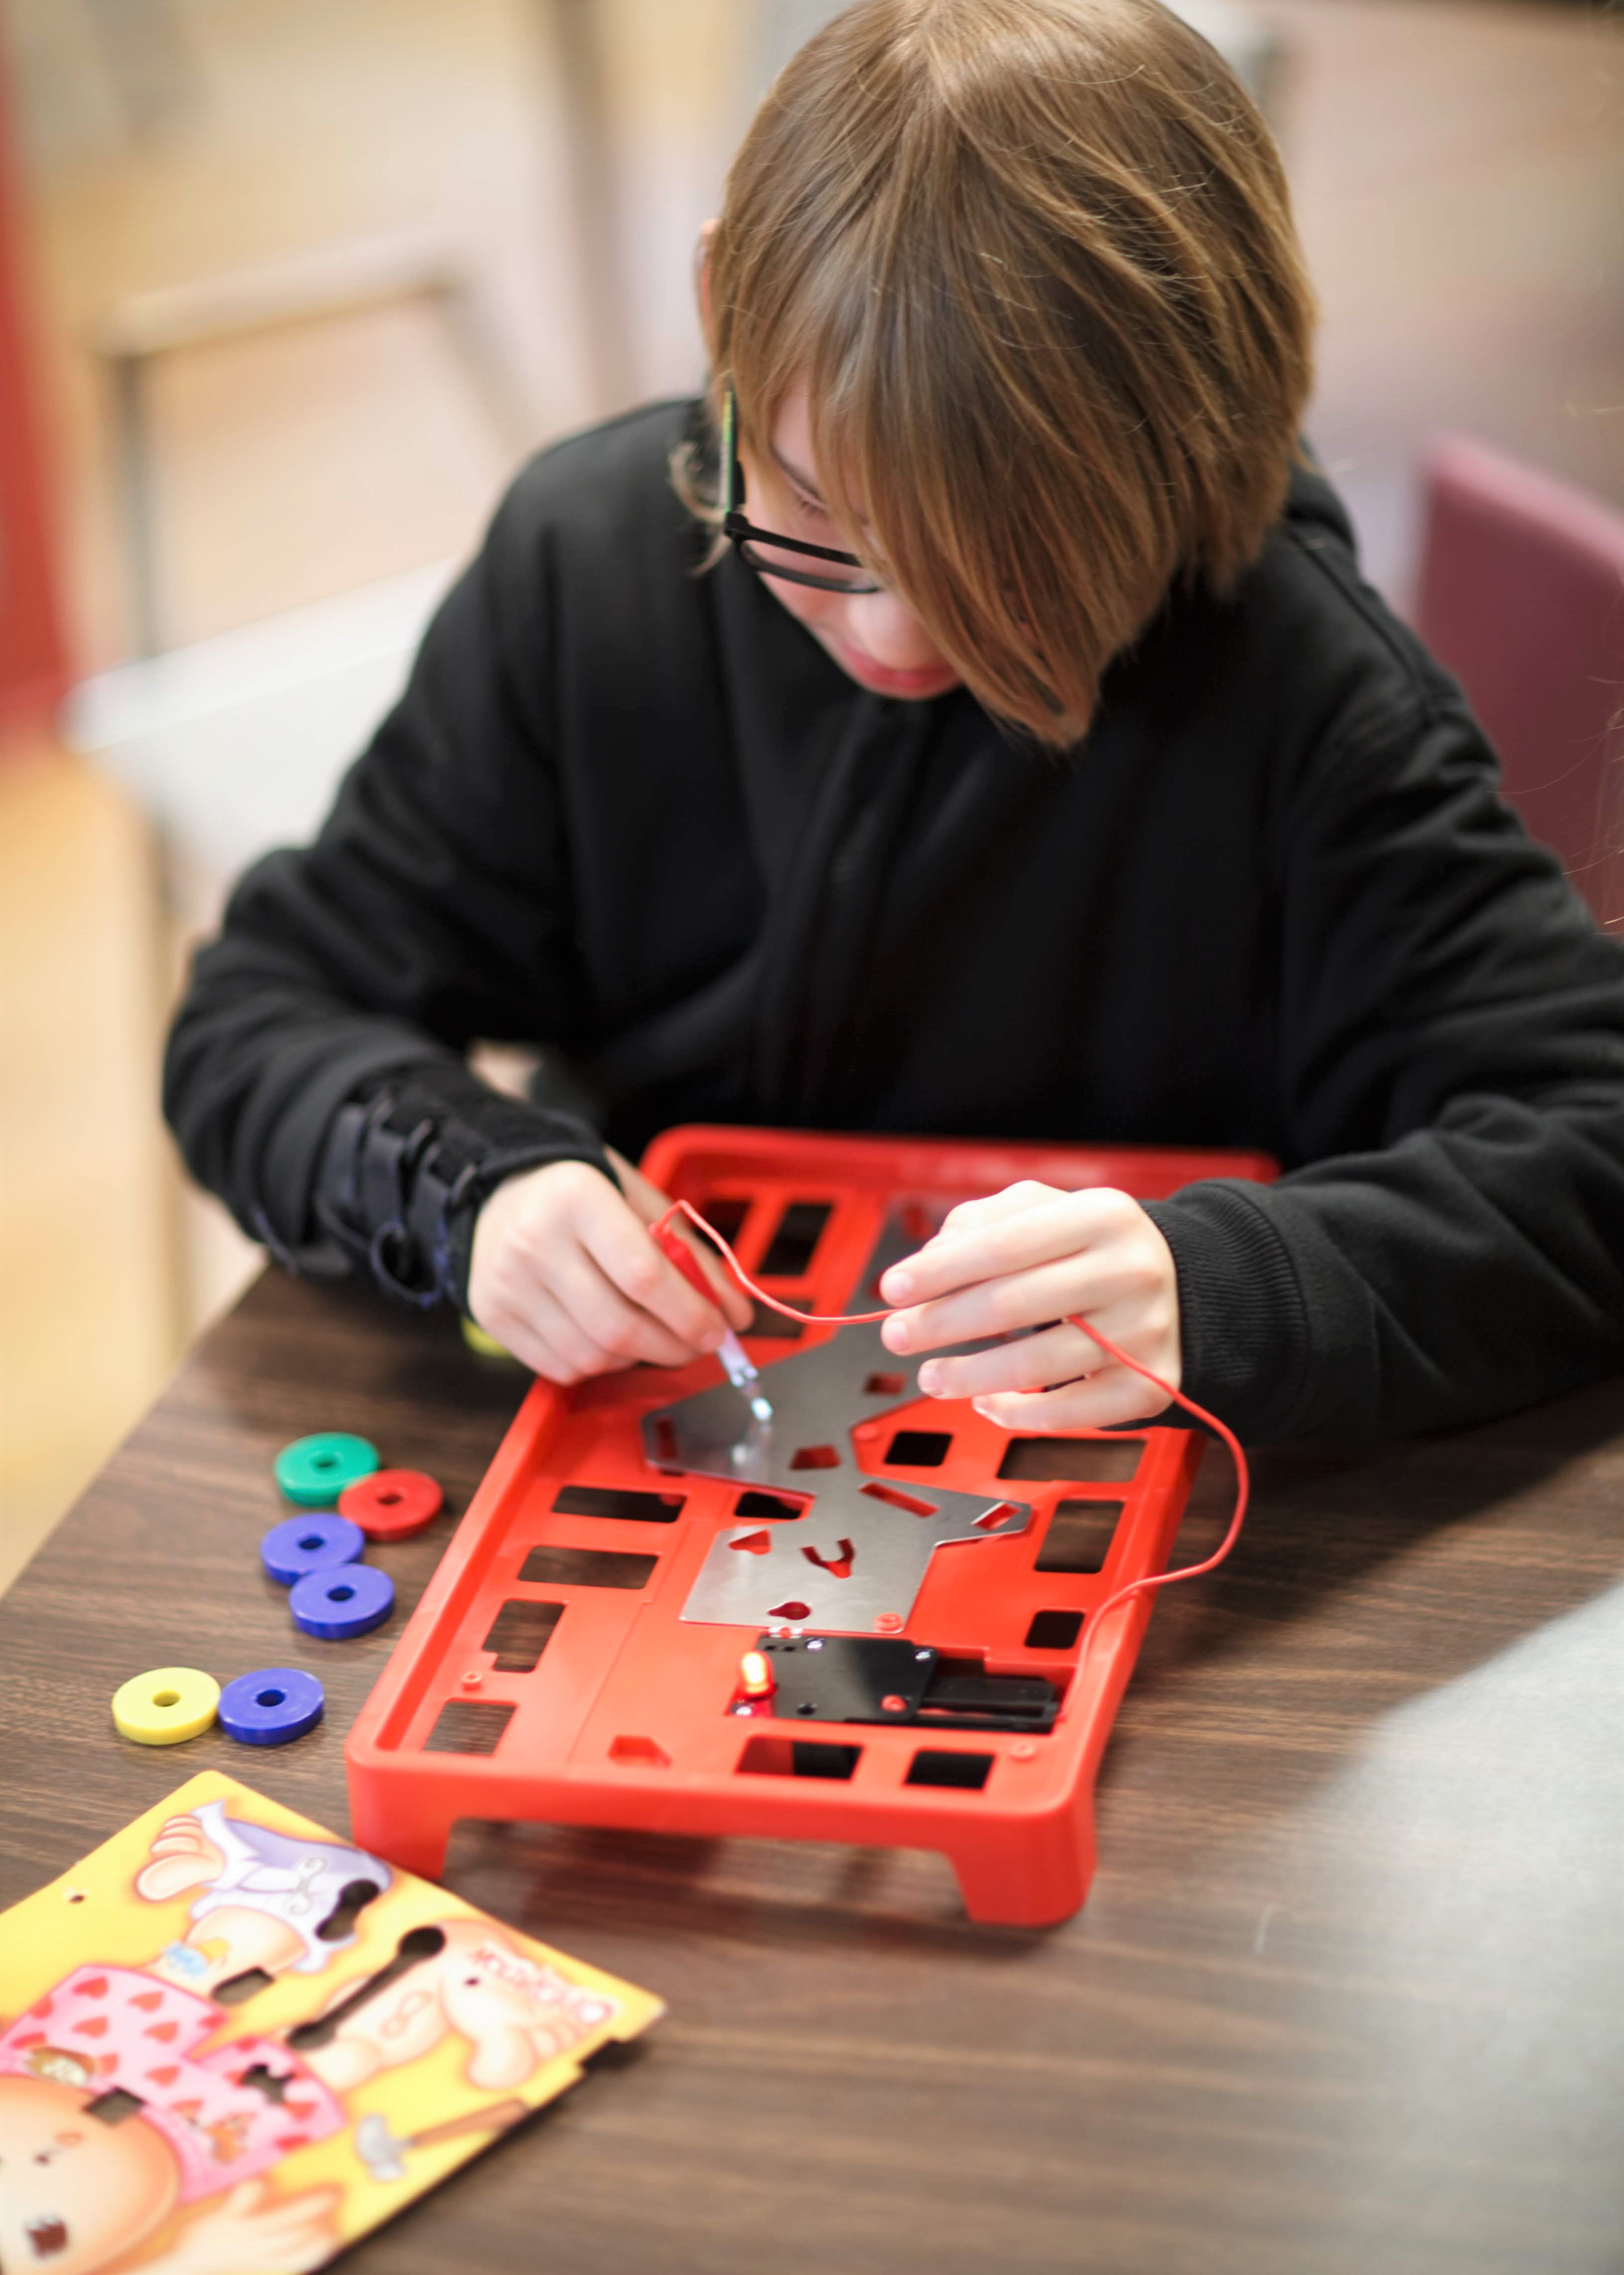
{"x":230,"y":2043}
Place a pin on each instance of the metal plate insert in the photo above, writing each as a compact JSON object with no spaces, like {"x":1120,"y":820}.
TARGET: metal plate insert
{"x":857,"y":1558}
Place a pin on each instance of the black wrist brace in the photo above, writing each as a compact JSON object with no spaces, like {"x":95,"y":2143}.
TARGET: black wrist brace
{"x":408,"y":1162}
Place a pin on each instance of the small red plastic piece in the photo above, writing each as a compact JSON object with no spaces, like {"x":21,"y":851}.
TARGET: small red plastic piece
{"x":622,"y":1659}
{"x":391,"y":1503}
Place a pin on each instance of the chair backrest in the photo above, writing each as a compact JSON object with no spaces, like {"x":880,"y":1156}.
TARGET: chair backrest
{"x":1522,"y":597}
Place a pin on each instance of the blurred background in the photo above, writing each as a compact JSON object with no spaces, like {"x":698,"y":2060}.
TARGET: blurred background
{"x":288,"y":289}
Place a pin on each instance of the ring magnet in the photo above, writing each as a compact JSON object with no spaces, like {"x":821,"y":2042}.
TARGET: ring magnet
{"x":309,"y":1543}
{"x":166,"y":1705}
{"x":391,"y":1503}
{"x":315,"y":1470}
{"x":340,"y":1604}
{"x":271,"y":1706}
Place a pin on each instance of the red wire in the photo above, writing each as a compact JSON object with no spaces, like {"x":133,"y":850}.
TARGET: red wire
{"x":1242,"y":1474}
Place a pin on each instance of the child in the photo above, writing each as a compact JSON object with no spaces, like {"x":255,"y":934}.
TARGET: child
{"x":968,"y":719}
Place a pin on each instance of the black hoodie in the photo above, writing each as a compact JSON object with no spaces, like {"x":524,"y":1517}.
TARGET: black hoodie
{"x":636,"y":815}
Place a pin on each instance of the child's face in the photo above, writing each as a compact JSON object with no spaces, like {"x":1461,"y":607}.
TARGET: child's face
{"x":74,"y":2192}
{"x":873,"y":637}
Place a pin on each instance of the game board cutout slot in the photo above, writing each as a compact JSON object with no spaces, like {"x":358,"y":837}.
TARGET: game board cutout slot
{"x":113,"y":2106}
{"x":794,"y":1241}
{"x":724,"y":1212}
{"x":1053,"y":1630}
{"x":1079,"y":1536}
{"x":801,"y":1757}
{"x":469,"y":1726}
{"x":586,"y":1568}
{"x":1083,"y":1461}
{"x":932,"y":1766}
{"x":417,"y":1945}
{"x":250,"y":1982}
{"x":353,"y":1899}
{"x":756,"y":1503}
{"x":898,"y":1498}
{"x":520,"y":1632}
{"x":618,"y":1502}
{"x":815,"y":1457}
{"x":918,"y":1449}
{"x":765,"y":1322}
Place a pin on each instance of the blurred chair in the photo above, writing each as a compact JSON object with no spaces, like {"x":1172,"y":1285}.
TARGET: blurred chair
{"x":340,"y":280}
{"x":1521,"y":596}
{"x":237,"y":744}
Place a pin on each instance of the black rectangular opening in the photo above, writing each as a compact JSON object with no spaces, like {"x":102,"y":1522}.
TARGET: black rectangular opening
{"x":469,"y":1726}
{"x":520,"y":1632}
{"x":968,"y":1771}
{"x":1053,"y":1630}
{"x":1090,"y":1461}
{"x":794,"y":1241}
{"x":756,"y":1503}
{"x":586,"y":1568}
{"x":247,"y":1984}
{"x":614,"y":1501}
{"x":724,"y":1212}
{"x":774,"y":1324}
{"x":918,"y":1449}
{"x":803,"y":1757}
{"x":1079,"y":1536}
{"x":113,"y":2106}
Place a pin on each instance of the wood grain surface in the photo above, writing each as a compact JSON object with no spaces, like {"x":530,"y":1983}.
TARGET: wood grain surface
{"x":1347,"y":1994}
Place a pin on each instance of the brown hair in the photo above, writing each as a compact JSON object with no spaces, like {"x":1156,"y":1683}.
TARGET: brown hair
{"x":1034,"y":259}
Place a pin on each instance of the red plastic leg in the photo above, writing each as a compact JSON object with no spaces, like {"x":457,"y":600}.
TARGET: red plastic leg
{"x":1036,"y":1879}
{"x":418,"y":1848}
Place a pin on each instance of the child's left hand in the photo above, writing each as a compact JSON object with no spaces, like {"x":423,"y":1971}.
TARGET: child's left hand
{"x":1028,"y":1258}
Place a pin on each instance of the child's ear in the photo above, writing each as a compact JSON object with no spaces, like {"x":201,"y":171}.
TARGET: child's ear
{"x":702,"y":279}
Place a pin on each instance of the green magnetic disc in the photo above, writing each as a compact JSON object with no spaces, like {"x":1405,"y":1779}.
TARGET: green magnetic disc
{"x":313,"y":1471}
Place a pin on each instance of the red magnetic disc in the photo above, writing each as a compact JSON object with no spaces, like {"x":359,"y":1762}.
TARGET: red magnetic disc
{"x":391,"y":1503}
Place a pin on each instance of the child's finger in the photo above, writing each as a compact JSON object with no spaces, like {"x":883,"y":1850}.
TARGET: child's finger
{"x":1085,"y":1282}
{"x":1058,"y":1225}
{"x":627,"y":1254}
{"x":647,"y":1201}
{"x":533,"y":1336}
{"x":1061,"y":1353}
{"x":1116,"y":1393}
{"x":990,"y":1207}
{"x":623,"y":1331}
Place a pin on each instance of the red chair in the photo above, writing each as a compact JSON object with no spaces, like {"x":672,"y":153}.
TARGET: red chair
{"x":1521,"y":596}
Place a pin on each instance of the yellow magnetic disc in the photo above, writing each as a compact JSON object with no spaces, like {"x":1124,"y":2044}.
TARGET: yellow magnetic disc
{"x":486,"y":1346}
{"x":161,"y":1708}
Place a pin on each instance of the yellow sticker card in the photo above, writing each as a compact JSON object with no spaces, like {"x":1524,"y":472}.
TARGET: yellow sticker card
{"x":230,"y":2040}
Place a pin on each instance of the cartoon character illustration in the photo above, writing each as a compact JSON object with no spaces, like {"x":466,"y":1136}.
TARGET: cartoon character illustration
{"x":514,"y":2013}
{"x":265,"y":1900}
{"x":116,"y":2112}
{"x":111,"y":2118}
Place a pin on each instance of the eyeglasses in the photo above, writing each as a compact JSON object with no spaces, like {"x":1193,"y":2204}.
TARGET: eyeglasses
{"x":763,"y":548}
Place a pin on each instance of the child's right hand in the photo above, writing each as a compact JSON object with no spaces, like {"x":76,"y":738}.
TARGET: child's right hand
{"x":565,"y":1276}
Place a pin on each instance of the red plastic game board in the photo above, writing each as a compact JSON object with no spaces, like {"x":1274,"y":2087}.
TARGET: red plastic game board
{"x":577,"y":1657}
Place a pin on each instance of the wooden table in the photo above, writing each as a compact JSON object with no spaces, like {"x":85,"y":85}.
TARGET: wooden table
{"x":1347,"y":1994}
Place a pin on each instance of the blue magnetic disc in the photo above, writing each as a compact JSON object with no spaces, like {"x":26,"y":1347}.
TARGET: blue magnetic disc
{"x":271,"y":1706}
{"x":315,"y":1542}
{"x":341,"y":1603}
